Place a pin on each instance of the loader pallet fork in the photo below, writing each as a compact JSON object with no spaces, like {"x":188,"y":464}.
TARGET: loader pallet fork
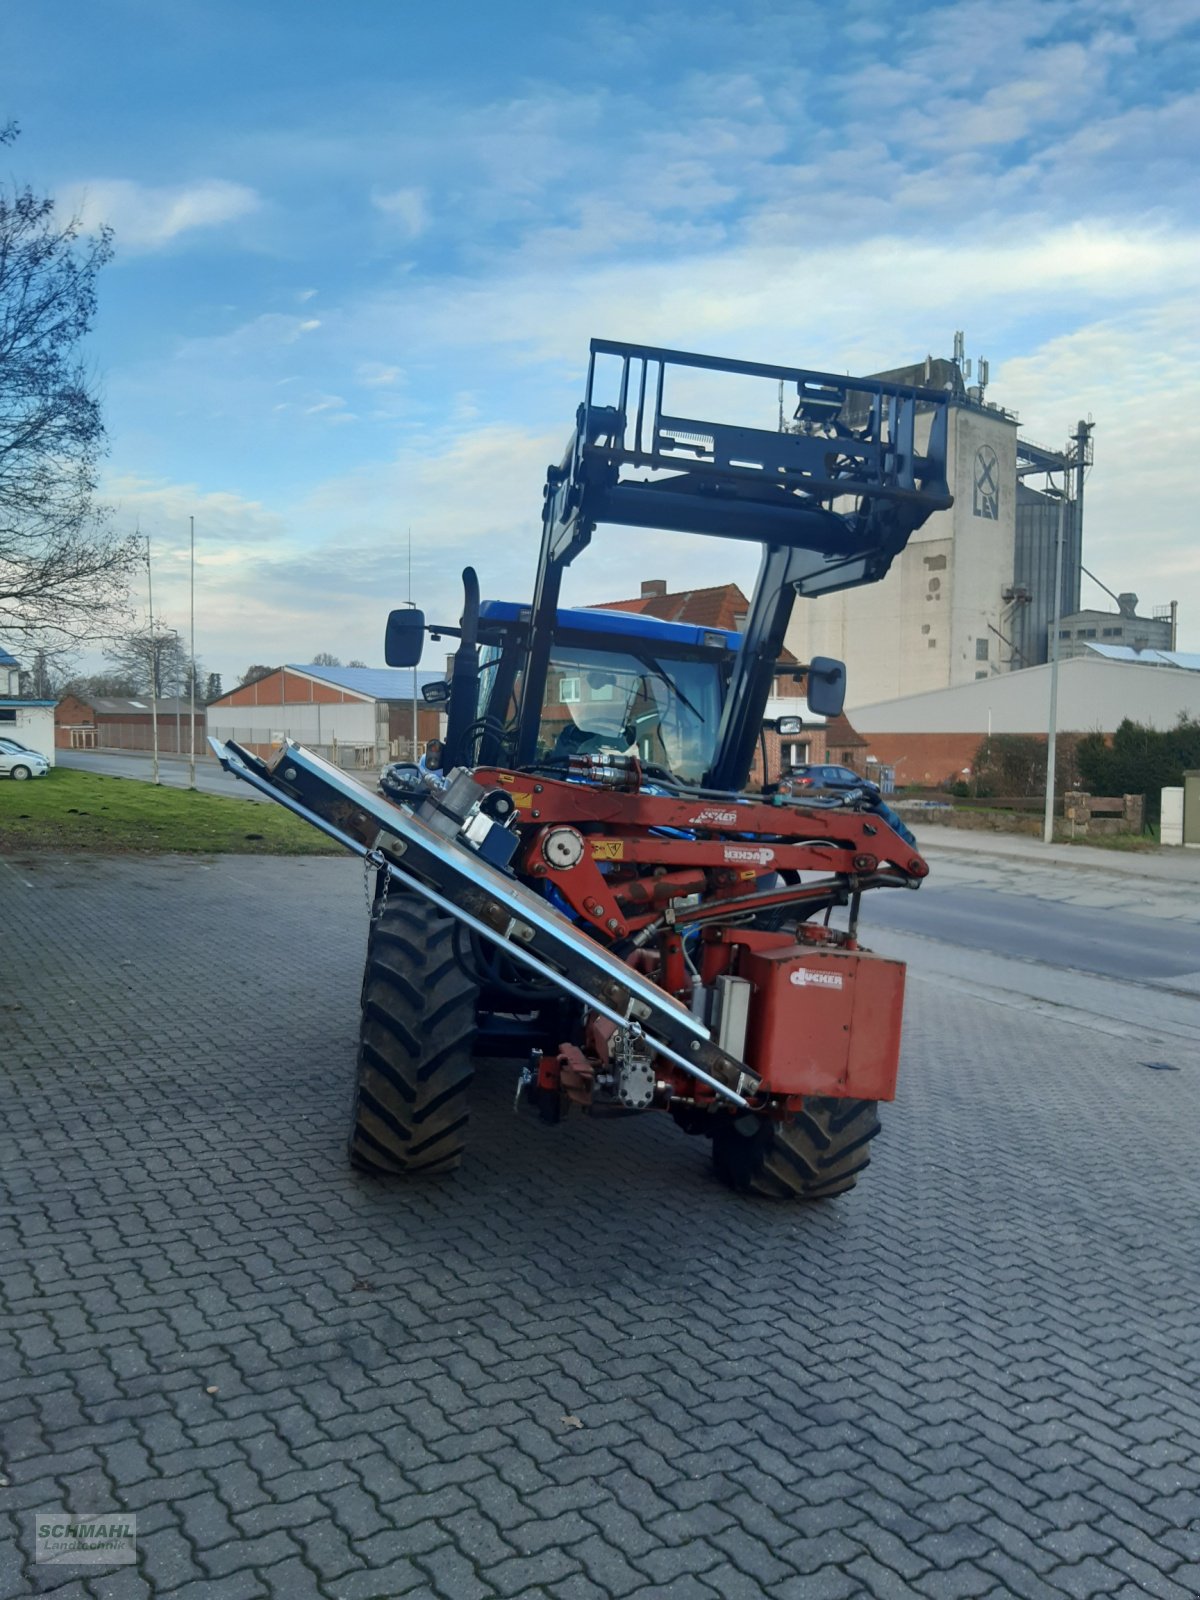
{"x":832,"y":500}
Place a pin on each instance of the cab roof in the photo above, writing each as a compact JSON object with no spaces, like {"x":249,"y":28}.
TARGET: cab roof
{"x":615,"y":624}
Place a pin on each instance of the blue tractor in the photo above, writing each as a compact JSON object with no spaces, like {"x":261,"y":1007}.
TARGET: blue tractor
{"x":585,"y":885}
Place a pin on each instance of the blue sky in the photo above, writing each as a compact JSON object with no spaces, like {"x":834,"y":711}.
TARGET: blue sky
{"x":360,"y":251}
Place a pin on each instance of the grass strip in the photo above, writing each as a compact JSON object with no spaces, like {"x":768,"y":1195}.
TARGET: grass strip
{"x":83,"y":811}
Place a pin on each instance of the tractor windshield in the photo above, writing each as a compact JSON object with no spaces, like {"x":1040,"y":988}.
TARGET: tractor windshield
{"x":664,"y":709}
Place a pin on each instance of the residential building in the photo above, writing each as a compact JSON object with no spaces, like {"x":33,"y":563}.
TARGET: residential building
{"x":30,"y":722}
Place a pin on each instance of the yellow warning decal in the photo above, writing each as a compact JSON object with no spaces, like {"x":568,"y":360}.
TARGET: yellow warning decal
{"x":608,"y":849}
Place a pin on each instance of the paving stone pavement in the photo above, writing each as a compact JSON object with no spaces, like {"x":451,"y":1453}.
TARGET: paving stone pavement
{"x":976,"y":1375}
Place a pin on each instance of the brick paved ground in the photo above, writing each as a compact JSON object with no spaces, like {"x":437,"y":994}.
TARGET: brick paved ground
{"x":976,"y":1375}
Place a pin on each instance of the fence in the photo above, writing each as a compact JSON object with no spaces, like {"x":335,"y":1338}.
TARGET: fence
{"x":173,"y":737}
{"x":350,"y":755}
{"x":1081,"y":813}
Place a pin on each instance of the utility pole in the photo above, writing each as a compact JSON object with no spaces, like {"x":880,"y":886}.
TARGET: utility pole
{"x":192,"y":723}
{"x":414,"y":670}
{"x":153,"y":660}
{"x":1052,"y":736}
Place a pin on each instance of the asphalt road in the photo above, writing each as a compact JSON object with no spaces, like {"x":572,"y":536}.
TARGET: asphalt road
{"x":210,"y":777}
{"x":1112,"y":954}
{"x":1031,"y":927}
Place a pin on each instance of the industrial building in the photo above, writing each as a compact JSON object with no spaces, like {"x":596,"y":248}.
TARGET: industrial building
{"x":931,"y":738}
{"x":973,"y":595}
{"x":1079,"y":631}
{"x":356,"y":716}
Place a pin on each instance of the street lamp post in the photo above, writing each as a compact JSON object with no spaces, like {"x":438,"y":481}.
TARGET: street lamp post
{"x":192,"y":709}
{"x":1052,"y":735}
{"x":153,"y":661}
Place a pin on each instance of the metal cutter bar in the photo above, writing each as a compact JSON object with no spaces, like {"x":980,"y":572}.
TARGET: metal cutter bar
{"x":528,"y":928}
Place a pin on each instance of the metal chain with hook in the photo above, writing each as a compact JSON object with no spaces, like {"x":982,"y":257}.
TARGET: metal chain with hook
{"x":375,"y":860}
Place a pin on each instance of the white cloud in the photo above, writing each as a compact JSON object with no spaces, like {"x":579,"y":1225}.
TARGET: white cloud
{"x":406,"y":207}
{"x":162,"y":508}
{"x":377,"y":374}
{"x":147,"y":218}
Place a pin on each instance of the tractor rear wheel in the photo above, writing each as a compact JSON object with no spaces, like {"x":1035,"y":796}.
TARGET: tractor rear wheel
{"x":818,"y":1155}
{"x":414,"y":1067}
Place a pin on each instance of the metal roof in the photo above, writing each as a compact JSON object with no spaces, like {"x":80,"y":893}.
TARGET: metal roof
{"x":1186,"y":659}
{"x":6,"y":660}
{"x":120,"y":705}
{"x":377,"y":683}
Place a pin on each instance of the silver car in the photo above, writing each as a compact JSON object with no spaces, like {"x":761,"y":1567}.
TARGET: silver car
{"x":19,"y":761}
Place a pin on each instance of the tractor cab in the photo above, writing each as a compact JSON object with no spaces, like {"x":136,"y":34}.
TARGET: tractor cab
{"x":616,"y":684}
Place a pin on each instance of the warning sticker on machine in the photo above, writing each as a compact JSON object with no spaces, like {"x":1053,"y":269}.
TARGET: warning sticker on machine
{"x":608,"y":849}
{"x":805,"y":977}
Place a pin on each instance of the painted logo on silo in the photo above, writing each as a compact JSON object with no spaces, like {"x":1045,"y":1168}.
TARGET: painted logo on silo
{"x":987,"y":484}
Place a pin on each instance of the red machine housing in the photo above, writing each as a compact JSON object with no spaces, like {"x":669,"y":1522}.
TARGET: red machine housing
{"x":824,"y":1016}
{"x":824,"y":1020}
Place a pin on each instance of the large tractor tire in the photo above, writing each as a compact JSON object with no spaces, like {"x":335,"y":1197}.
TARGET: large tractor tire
{"x":414,"y":1056}
{"x":818,"y":1155}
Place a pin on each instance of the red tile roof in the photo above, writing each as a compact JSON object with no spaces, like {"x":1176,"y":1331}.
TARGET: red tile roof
{"x":722,"y":606}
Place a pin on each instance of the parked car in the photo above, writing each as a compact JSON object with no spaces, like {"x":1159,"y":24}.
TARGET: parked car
{"x":17,"y":760}
{"x":811,"y":777}
{"x":816,"y":775}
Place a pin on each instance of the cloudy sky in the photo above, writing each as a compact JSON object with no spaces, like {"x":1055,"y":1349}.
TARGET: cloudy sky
{"x":361,"y":250}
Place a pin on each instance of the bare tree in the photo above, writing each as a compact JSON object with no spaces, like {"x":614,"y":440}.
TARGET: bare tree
{"x":212,"y":688}
{"x":102,"y":685}
{"x":356,"y":663}
{"x":156,"y":662}
{"x":201,"y":681}
{"x":62,"y":570}
{"x":253,"y":673}
{"x":324,"y":659}
{"x":48,"y":675}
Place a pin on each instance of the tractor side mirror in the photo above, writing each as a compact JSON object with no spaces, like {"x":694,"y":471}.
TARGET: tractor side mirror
{"x":826,"y":692}
{"x":435,"y":694}
{"x":405,"y":637}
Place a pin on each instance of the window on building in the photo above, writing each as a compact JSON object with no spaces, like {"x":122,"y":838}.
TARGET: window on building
{"x":979,"y":675}
{"x":1110,"y":633}
{"x":1080,"y":633}
{"x":1089,"y":633}
{"x":933,"y":644}
{"x":1064,"y":633}
{"x":7,"y":716}
{"x":568,"y":691}
{"x":981,"y":649}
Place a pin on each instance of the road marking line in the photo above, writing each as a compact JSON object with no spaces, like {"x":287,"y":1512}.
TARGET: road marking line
{"x":15,"y":873}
